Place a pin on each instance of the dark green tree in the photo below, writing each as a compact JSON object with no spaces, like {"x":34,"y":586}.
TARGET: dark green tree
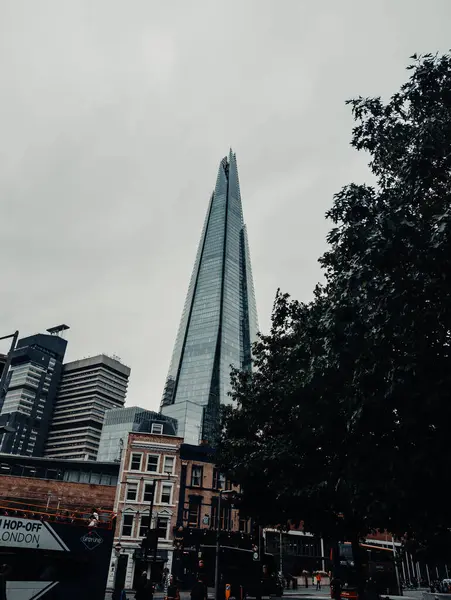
{"x":345,"y":421}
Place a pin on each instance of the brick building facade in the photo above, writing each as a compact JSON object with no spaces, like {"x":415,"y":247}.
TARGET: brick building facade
{"x":198,"y":518}
{"x":148,"y":460}
{"x":44,"y":482}
{"x":63,"y":493}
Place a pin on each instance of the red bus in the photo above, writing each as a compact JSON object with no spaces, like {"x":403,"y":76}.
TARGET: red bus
{"x":378,"y":564}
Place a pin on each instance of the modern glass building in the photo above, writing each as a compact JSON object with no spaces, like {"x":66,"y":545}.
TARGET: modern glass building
{"x":32,"y":384}
{"x":219,"y":320}
{"x":119,"y":422}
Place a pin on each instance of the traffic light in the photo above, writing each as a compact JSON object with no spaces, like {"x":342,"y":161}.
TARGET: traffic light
{"x":150,"y":541}
{"x":255,"y":552}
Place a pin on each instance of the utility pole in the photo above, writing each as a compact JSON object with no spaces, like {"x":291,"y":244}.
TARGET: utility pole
{"x":148,"y":536}
{"x":395,"y":560}
{"x":218,"y":544}
{"x":281,"y":550}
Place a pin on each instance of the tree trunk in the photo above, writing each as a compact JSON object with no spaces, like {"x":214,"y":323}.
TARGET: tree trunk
{"x":359,"y":568}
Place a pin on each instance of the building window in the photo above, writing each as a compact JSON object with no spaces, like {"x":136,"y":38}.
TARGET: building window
{"x":225,"y":521}
{"x":156,"y":428}
{"x":244,"y":525}
{"x":127,"y":525}
{"x":162,"y":527}
{"x":152,"y":463}
{"x":166,"y":493}
{"x":143,"y":525}
{"x":135,"y":462}
{"x":193,"y":512}
{"x":148,"y":492}
{"x":132,"y":491}
{"x":219,"y":480}
{"x":196,"y":476}
{"x":169,"y":464}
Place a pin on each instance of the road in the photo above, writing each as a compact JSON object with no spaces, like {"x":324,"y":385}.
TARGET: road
{"x":301,"y":592}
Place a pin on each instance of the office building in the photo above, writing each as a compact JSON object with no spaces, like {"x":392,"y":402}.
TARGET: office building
{"x":88,"y":388}
{"x":219,"y":320}
{"x":119,"y":422}
{"x":32,"y":383}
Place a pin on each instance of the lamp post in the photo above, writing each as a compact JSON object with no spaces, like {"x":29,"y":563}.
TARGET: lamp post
{"x":149,"y":527}
{"x":218,"y":545}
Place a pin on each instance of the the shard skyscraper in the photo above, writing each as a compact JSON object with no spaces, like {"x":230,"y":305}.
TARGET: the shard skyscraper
{"x":219,"y":320}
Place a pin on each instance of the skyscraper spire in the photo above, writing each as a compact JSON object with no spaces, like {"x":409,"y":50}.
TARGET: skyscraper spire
{"x":219,"y":320}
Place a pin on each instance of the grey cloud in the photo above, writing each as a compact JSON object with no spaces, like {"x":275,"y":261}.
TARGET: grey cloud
{"x":114,"y":116}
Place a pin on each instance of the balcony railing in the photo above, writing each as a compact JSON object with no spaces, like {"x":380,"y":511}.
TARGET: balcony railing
{"x":34,"y":509}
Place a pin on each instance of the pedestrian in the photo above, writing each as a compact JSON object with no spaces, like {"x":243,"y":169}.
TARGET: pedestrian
{"x":144,"y":588}
{"x":335,"y":586}
{"x":318,"y":582}
{"x":94,"y":518}
{"x":306,"y":579}
{"x":199,"y":591}
{"x":173,"y":592}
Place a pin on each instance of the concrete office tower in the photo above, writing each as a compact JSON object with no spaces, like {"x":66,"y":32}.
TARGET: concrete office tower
{"x":119,"y":422}
{"x":219,"y":320}
{"x":88,"y":388}
{"x":32,"y":383}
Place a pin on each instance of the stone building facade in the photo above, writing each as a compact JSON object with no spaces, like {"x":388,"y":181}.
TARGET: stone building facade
{"x":148,"y":460}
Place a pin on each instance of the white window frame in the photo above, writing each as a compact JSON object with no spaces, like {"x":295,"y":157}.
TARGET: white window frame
{"x":159,"y":426}
{"x":133,"y":483}
{"x":170,"y":485}
{"x":173,"y":463}
{"x":158,"y":462}
{"x":143,"y":514}
{"x":140,"y":462}
{"x":148,"y":482}
{"x":168,"y":521}
{"x":127,"y":514}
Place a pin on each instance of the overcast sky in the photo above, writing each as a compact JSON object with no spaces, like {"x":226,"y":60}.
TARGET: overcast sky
{"x":114,"y":117}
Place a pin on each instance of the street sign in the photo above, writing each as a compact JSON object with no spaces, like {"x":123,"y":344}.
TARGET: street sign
{"x":27,"y":533}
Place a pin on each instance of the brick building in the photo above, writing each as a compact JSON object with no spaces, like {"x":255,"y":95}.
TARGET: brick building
{"x":197,"y":516}
{"x":148,"y":460}
{"x":49,"y":483}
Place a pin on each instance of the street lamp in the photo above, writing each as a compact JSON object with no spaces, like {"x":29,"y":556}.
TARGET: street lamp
{"x":149,"y":526}
{"x":218,"y":546}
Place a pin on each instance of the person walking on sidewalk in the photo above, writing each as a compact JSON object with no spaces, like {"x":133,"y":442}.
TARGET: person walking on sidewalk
{"x":199,"y":591}
{"x":335,"y":586}
{"x":173,"y":592}
{"x":318,"y":582}
{"x":144,"y":588}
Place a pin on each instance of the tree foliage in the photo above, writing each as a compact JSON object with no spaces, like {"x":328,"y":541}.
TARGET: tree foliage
{"x":345,"y":421}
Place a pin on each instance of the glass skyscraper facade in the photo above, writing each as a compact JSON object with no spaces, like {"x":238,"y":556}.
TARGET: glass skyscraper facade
{"x":219,"y":320}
